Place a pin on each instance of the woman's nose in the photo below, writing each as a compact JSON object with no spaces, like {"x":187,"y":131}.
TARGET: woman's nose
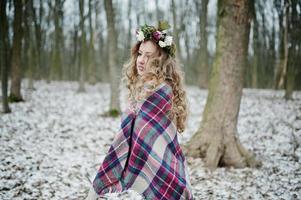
{"x":142,"y":60}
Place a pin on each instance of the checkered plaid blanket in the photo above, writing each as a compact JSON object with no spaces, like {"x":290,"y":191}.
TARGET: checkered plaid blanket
{"x":145,"y":155}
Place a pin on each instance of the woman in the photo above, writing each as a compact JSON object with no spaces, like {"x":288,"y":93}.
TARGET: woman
{"x":145,"y":155}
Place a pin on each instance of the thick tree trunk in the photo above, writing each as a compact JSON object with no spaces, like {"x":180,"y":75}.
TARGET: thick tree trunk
{"x":112,"y":47}
{"x":216,"y":140}
{"x":16,"y":72}
{"x":4,"y":61}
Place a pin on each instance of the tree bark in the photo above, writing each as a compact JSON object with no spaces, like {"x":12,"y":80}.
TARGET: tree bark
{"x":216,"y":140}
{"x":112,"y":49}
{"x":16,"y":72}
{"x":4,"y":57}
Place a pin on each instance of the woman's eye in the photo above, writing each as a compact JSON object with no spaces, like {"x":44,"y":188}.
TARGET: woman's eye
{"x":139,"y":54}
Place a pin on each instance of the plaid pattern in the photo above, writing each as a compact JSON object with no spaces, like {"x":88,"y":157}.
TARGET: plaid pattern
{"x":145,"y":155}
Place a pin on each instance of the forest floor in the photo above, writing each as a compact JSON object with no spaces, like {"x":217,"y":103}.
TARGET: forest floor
{"x":50,"y":142}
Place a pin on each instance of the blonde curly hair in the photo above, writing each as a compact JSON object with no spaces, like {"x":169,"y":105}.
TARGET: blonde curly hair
{"x":160,"y":68}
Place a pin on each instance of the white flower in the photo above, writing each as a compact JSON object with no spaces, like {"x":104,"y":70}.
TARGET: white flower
{"x":140,"y":36}
{"x":162,"y":44}
{"x":168,"y":40}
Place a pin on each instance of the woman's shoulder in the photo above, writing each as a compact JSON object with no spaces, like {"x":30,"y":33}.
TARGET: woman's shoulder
{"x":167,"y":87}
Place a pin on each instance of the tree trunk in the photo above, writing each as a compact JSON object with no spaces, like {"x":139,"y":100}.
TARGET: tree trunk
{"x":158,"y":16}
{"x":280,"y":62}
{"x":129,"y":35}
{"x":256,"y":44}
{"x":112,"y":50}
{"x":56,"y":64}
{"x":30,"y":52}
{"x":203,"y":53}
{"x":290,"y":76}
{"x":176,"y":31}
{"x":285,"y":47}
{"x":294,"y":31}
{"x":38,"y":32}
{"x":82,"y":48}
{"x":16,"y":72}
{"x":75,"y":53}
{"x":216,"y":140}
{"x":4,"y":50}
{"x":91,"y":61}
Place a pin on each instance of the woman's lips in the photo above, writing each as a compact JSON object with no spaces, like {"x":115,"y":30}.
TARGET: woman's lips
{"x":140,"y":68}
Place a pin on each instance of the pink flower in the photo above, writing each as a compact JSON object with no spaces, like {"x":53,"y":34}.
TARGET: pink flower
{"x":157,"y":35}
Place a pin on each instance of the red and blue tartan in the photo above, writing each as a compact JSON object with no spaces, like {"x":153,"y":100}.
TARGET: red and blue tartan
{"x":145,"y":155}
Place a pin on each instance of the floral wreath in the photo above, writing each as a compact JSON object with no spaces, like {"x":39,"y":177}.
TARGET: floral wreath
{"x":158,"y":35}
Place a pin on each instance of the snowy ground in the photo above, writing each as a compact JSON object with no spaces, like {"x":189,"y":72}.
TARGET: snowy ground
{"x":50,"y":142}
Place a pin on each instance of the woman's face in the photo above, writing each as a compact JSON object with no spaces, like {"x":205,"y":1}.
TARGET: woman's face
{"x":146,"y":50}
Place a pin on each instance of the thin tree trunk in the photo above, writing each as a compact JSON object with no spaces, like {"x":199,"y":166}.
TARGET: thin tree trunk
{"x":294,"y":31}
{"x":92,"y":67}
{"x":285,"y":48}
{"x":129,"y":36}
{"x":216,"y":140}
{"x":158,"y":16}
{"x":280,"y":63}
{"x":4,"y":57}
{"x":82,"y":48}
{"x":16,"y":71}
{"x":256,"y":44}
{"x":290,"y":76}
{"x":75,"y":53}
{"x":38,"y":32}
{"x":99,"y":61}
{"x":56,"y":64}
{"x":176,"y":30}
{"x":203,"y":52}
{"x":112,"y":49}
{"x":30,"y":53}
